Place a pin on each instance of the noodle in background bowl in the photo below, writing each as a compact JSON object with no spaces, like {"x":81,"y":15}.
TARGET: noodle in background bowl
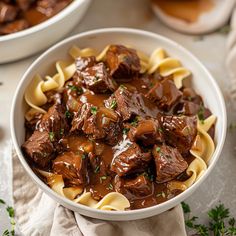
{"x":202,"y":82}
{"x":27,"y":42}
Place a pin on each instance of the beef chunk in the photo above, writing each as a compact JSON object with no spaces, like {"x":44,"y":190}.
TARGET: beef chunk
{"x":147,"y":131}
{"x":24,"y":4}
{"x":165,"y":94}
{"x":7,"y":12}
{"x":83,"y":62}
{"x":187,"y":108}
{"x":190,"y":95}
{"x":140,"y":186}
{"x":131,"y":160}
{"x":73,"y":168}
{"x":180,"y":131}
{"x":98,"y":123}
{"x":84,"y":112}
{"x":54,"y":121}
{"x":128,"y":103}
{"x":123,"y":62}
{"x":13,"y":27}
{"x":169,"y":163}
{"x":39,"y":148}
{"x":97,"y":79}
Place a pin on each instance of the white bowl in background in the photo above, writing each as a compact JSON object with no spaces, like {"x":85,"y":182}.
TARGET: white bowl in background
{"x":202,"y":82}
{"x":34,"y":39}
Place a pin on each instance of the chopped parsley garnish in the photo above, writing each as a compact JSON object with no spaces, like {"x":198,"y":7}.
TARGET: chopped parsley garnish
{"x":160,"y":130}
{"x":113,"y":104}
{"x":200,"y":113}
{"x":97,"y":169}
{"x":84,"y":156}
{"x":125,"y":131}
{"x":158,"y":149}
{"x":110,"y":187}
{"x":67,"y":114}
{"x":74,"y":88}
{"x":135,"y":121}
{"x":61,"y":132}
{"x":51,"y":136}
{"x":94,"y":110}
{"x":122,"y":87}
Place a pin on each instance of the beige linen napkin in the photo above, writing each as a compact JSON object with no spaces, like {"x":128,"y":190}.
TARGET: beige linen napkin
{"x":39,"y":215}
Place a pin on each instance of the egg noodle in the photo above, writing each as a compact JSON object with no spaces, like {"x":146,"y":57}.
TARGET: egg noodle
{"x":202,"y":149}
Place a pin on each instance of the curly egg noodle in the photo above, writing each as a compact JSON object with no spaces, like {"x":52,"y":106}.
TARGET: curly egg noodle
{"x":202,"y":149}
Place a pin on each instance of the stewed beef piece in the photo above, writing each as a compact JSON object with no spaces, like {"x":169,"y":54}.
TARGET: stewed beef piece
{"x":73,"y":168}
{"x":129,"y":104}
{"x":54,"y":121}
{"x":7,"y":12}
{"x":83,"y":62}
{"x":98,"y":123}
{"x":122,"y":61}
{"x":180,"y":131}
{"x":83,"y":113}
{"x":165,"y":94}
{"x":147,"y":131}
{"x":39,"y":149}
{"x":97,"y":79}
{"x":139,"y":186}
{"x":190,"y":95}
{"x":169,"y":163}
{"x":130,"y":160}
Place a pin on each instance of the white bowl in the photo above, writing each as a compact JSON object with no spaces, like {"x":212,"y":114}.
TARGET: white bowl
{"x":32,"y":40}
{"x":203,"y":83}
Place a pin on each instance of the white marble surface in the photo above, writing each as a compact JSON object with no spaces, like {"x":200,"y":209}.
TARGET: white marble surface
{"x":210,"y":49}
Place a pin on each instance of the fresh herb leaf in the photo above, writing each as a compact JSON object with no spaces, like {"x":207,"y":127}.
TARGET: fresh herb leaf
{"x":84,"y":156}
{"x":6,"y":233}
{"x":51,"y":136}
{"x":185,"y":207}
{"x":10,"y":211}
{"x":68,"y":114}
{"x":158,"y":149}
{"x":2,"y":201}
{"x":218,"y":224}
{"x":160,"y":130}
{"x":94,"y":110}
{"x":113,"y":104}
{"x":125,"y":131}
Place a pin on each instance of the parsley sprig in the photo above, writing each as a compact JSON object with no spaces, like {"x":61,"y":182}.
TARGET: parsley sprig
{"x":11,"y":215}
{"x":220,"y":222}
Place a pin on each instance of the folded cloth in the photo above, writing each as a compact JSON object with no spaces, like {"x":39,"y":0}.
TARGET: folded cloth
{"x":37,"y":214}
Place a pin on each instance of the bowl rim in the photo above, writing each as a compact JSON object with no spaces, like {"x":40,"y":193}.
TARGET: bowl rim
{"x":41,"y":26}
{"x":165,"y":205}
